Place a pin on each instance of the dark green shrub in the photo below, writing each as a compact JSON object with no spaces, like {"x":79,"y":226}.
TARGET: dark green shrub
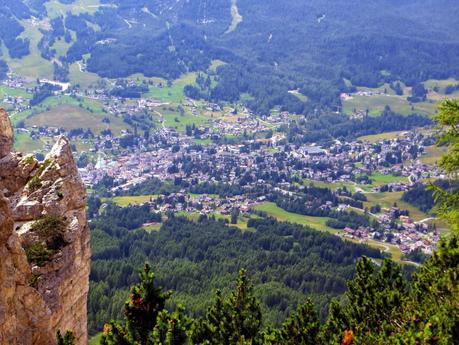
{"x":51,"y":229}
{"x":38,"y":254}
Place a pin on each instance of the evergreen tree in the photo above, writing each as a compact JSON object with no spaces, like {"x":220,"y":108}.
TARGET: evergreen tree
{"x":235,"y":320}
{"x":301,"y":329}
{"x":141,"y":310}
{"x":448,"y":121}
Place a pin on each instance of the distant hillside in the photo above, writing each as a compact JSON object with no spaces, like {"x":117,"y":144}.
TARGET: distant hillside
{"x":271,"y":47}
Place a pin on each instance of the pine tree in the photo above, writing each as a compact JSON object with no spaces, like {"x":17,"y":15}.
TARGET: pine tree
{"x":234,"y":320}
{"x":141,"y":310}
{"x":302,"y":328}
{"x":448,"y":121}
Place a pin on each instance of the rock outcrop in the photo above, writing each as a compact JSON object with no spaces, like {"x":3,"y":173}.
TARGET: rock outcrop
{"x":44,"y":245}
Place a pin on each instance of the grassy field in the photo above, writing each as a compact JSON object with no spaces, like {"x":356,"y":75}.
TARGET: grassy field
{"x":442,"y":84}
{"x":84,"y":79}
{"x":173,"y":94}
{"x":24,"y":143}
{"x":399,"y":104}
{"x":124,"y":201}
{"x":70,"y":116}
{"x":433,"y":155}
{"x":387,"y":200}
{"x":273,"y":210}
{"x":7,"y":91}
{"x":376,"y":103}
{"x":32,"y":66}
{"x":56,"y":8}
{"x":215,"y":64}
{"x":381,"y":179}
{"x":152,"y":228}
{"x":382,"y":136}
{"x":318,"y":223}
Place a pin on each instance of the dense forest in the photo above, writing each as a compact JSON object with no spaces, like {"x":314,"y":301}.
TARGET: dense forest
{"x":286,"y":262}
{"x":380,"y":307}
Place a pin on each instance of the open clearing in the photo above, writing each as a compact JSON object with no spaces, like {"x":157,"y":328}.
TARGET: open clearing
{"x":317,"y":223}
{"x":433,"y":155}
{"x":32,"y":66}
{"x":24,"y":143}
{"x":69,"y":116}
{"x":399,"y":104}
{"x":385,"y":96}
{"x":125,"y":201}
{"x":379,"y":137}
{"x":387,"y":200}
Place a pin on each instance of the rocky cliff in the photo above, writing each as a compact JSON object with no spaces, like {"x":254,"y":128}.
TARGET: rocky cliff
{"x":44,"y":245}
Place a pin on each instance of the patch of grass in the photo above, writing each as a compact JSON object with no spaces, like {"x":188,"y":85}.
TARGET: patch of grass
{"x":84,"y":79}
{"x":399,"y":104}
{"x":32,"y":66}
{"x":24,"y":143}
{"x":382,"y":136}
{"x":387,"y":200}
{"x":333,"y":186}
{"x":382,"y":179}
{"x":273,"y":210}
{"x":153,"y":228}
{"x":433,"y":155}
{"x":56,"y":8}
{"x":39,"y":254}
{"x":202,"y":141}
{"x":125,"y":201}
{"x":8,"y":91}
{"x":71,"y":116}
{"x":35,"y":183}
{"x":173,"y":94}
{"x":174,"y":120}
{"x":95,"y":340}
{"x":442,"y":84}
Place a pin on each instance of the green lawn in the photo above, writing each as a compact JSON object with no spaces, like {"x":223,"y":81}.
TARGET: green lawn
{"x":173,"y":94}
{"x":387,"y":200}
{"x":71,"y":116}
{"x":376,"y":104}
{"x":124,"y":201}
{"x":382,"y":136}
{"x":433,"y":155}
{"x":152,"y":228}
{"x":173,"y":119}
{"x":96,"y":339}
{"x":8,"y":91}
{"x":24,"y":143}
{"x":381,"y":179}
{"x":273,"y":210}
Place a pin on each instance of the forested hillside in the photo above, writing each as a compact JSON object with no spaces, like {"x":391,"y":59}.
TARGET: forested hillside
{"x":286,"y":262}
{"x":321,"y":48}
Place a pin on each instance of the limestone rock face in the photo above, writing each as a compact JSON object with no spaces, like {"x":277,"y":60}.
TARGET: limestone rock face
{"x":6,"y":134}
{"x":40,"y":296}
